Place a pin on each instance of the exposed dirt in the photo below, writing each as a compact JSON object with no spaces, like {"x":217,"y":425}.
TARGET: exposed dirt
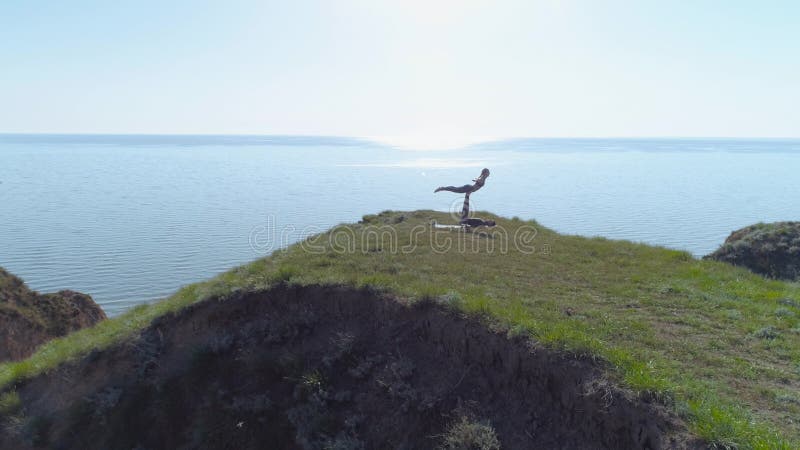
{"x":329,"y":367}
{"x":772,"y":250}
{"x":29,"y":319}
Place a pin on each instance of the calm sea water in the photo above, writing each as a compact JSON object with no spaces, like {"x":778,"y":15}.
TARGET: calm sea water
{"x":130,"y":219}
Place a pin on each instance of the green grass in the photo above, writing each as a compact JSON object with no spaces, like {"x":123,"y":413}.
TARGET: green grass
{"x":9,"y":403}
{"x":717,"y":343}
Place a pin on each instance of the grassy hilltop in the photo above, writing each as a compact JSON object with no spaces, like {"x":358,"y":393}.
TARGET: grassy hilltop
{"x":716,"y":343}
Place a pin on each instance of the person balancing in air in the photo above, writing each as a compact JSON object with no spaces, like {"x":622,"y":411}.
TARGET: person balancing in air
{"x":468,"y":189}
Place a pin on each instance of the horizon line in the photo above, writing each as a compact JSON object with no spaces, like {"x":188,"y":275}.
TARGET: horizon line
{"x":362,"y":137}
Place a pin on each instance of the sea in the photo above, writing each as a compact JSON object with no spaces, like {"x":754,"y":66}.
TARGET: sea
{"x":129,"y":219}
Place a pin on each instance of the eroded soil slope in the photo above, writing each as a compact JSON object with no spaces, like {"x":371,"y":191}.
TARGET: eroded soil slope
{"x":330,"y":367}
{"x":769,"y":249}
{"x":28,"y":319}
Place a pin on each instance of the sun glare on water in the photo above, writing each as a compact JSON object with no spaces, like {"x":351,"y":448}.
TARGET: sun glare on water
{"x":428,"y":143}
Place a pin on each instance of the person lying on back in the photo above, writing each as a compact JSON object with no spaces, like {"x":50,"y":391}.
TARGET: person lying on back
{"x":472,"y":222}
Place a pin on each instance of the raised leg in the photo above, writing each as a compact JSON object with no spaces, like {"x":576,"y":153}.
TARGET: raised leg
{"x":457,"y":189}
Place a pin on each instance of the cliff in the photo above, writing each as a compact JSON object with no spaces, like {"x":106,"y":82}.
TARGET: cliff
{"x":772,"y":250}
{"x":28,"y":319}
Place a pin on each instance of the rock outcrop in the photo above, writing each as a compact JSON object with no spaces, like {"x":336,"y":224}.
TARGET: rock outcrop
{"x":29,"y":319}
{"x":772,"y":250}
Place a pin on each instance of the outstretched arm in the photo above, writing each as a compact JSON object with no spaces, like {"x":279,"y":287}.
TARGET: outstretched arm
{"x":479,"y":182}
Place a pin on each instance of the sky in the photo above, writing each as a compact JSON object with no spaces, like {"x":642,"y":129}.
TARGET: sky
{"x":410,"y":72}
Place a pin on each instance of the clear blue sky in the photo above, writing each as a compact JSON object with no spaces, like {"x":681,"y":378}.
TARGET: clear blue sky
{"x":412,"y":70}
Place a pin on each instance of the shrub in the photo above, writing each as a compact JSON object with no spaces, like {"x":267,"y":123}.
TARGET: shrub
{"x":467,"y":434}
{"x":452,"y":299}
{"x":284,"y":274}
{"x":769,"y":332}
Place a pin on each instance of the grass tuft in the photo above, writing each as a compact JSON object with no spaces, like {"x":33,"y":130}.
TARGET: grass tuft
{"x":470,"y":434}
{"x":9,"y":403}
{"x":768,"y":332}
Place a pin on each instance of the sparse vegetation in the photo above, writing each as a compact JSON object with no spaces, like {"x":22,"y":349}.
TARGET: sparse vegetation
{"x":28,"y":318}
{"x":470,"y":434}
{"x":668,"y":326}
{"x":9,"y":403}
{"x":768,"y":332}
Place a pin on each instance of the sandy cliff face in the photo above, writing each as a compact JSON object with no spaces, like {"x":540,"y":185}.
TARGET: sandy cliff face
{"x":771,"y":249}
{"x":28,"y":319}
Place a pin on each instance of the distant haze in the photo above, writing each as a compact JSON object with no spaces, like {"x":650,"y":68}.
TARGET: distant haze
{"x":412,"y":73}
